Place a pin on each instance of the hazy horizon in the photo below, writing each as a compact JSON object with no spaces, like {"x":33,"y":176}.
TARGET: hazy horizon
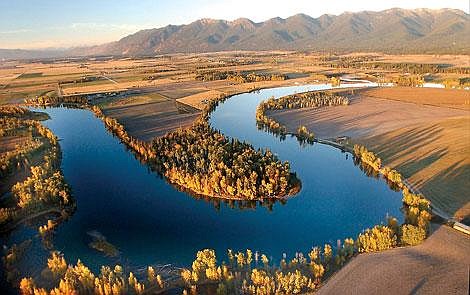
{"x":54,"y":24}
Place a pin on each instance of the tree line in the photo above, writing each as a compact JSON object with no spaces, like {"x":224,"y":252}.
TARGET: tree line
{"x":240,"y":77}
{"x":46,"y":100}
{"x":369,"y":63}
{"x":369,"y":159}
{"x":142,"y":148}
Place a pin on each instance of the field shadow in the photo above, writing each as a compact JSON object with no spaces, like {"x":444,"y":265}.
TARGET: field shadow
{"x":446,"y":181}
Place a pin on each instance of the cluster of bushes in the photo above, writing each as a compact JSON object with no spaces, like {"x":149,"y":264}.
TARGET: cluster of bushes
{"x":311,"y":99}
{"x":238,"y":77}
{"x":367,"y":157}
{"x":458,"y":83}
{"x":408,"y":80}
{"x":303,"y":134}
{"x":335,"y":81}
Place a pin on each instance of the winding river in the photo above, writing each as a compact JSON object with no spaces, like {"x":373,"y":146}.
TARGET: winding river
{"x":151,"y":222}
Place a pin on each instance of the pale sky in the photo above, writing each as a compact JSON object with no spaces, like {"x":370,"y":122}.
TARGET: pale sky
{"x":64,"y":23}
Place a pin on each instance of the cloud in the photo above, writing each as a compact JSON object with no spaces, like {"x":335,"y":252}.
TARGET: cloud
{"x":17,"y":31}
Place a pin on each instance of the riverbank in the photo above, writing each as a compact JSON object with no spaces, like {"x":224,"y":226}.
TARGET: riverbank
{"x":42,"y":190}
{"x":425,"y":143}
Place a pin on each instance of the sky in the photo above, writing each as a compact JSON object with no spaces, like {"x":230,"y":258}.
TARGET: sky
{"x":33,"y":24}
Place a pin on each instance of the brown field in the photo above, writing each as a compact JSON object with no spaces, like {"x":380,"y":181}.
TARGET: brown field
{"x":438,"y":266}
{"x":451,"y":98}
{"x":147,"y":117}
{"x":428,"y":144}
{"x":9,"y":143}
{"x":435,"y":157}
{"x":365,"y":116}
{"x":23,"y":79}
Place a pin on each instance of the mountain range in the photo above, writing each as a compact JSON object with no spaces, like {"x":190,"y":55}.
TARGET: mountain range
{"x":394,"y":30}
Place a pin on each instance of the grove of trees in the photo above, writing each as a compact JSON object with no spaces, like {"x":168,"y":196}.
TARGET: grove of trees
{"x":206,"y":162}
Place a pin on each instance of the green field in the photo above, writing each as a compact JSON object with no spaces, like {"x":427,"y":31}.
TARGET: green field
{"x":29,"y":75}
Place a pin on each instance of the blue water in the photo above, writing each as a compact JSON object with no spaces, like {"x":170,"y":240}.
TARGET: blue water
{"x":151,"y":222}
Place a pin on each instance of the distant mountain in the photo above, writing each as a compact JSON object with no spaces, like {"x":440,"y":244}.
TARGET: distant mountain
{"x":31,"y":54}
{"x":394,"y":30}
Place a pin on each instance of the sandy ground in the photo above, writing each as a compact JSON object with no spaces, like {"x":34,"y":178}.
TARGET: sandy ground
{"x":438,"y":266}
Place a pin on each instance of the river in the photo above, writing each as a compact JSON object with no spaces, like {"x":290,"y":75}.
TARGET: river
{"x":151,"y":222}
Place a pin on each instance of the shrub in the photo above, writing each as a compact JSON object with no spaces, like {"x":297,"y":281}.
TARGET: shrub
{"x":376,"y":239}
{"x":411,"y":235}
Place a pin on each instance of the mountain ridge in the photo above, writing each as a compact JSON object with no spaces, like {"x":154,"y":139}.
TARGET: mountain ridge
{"x":394,"y":30}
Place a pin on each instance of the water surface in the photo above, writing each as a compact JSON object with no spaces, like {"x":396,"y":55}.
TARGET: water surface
{"x":151,"y":222}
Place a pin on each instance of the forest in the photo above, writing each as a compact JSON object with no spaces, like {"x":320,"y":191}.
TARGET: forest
{"x":208,"y":163}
